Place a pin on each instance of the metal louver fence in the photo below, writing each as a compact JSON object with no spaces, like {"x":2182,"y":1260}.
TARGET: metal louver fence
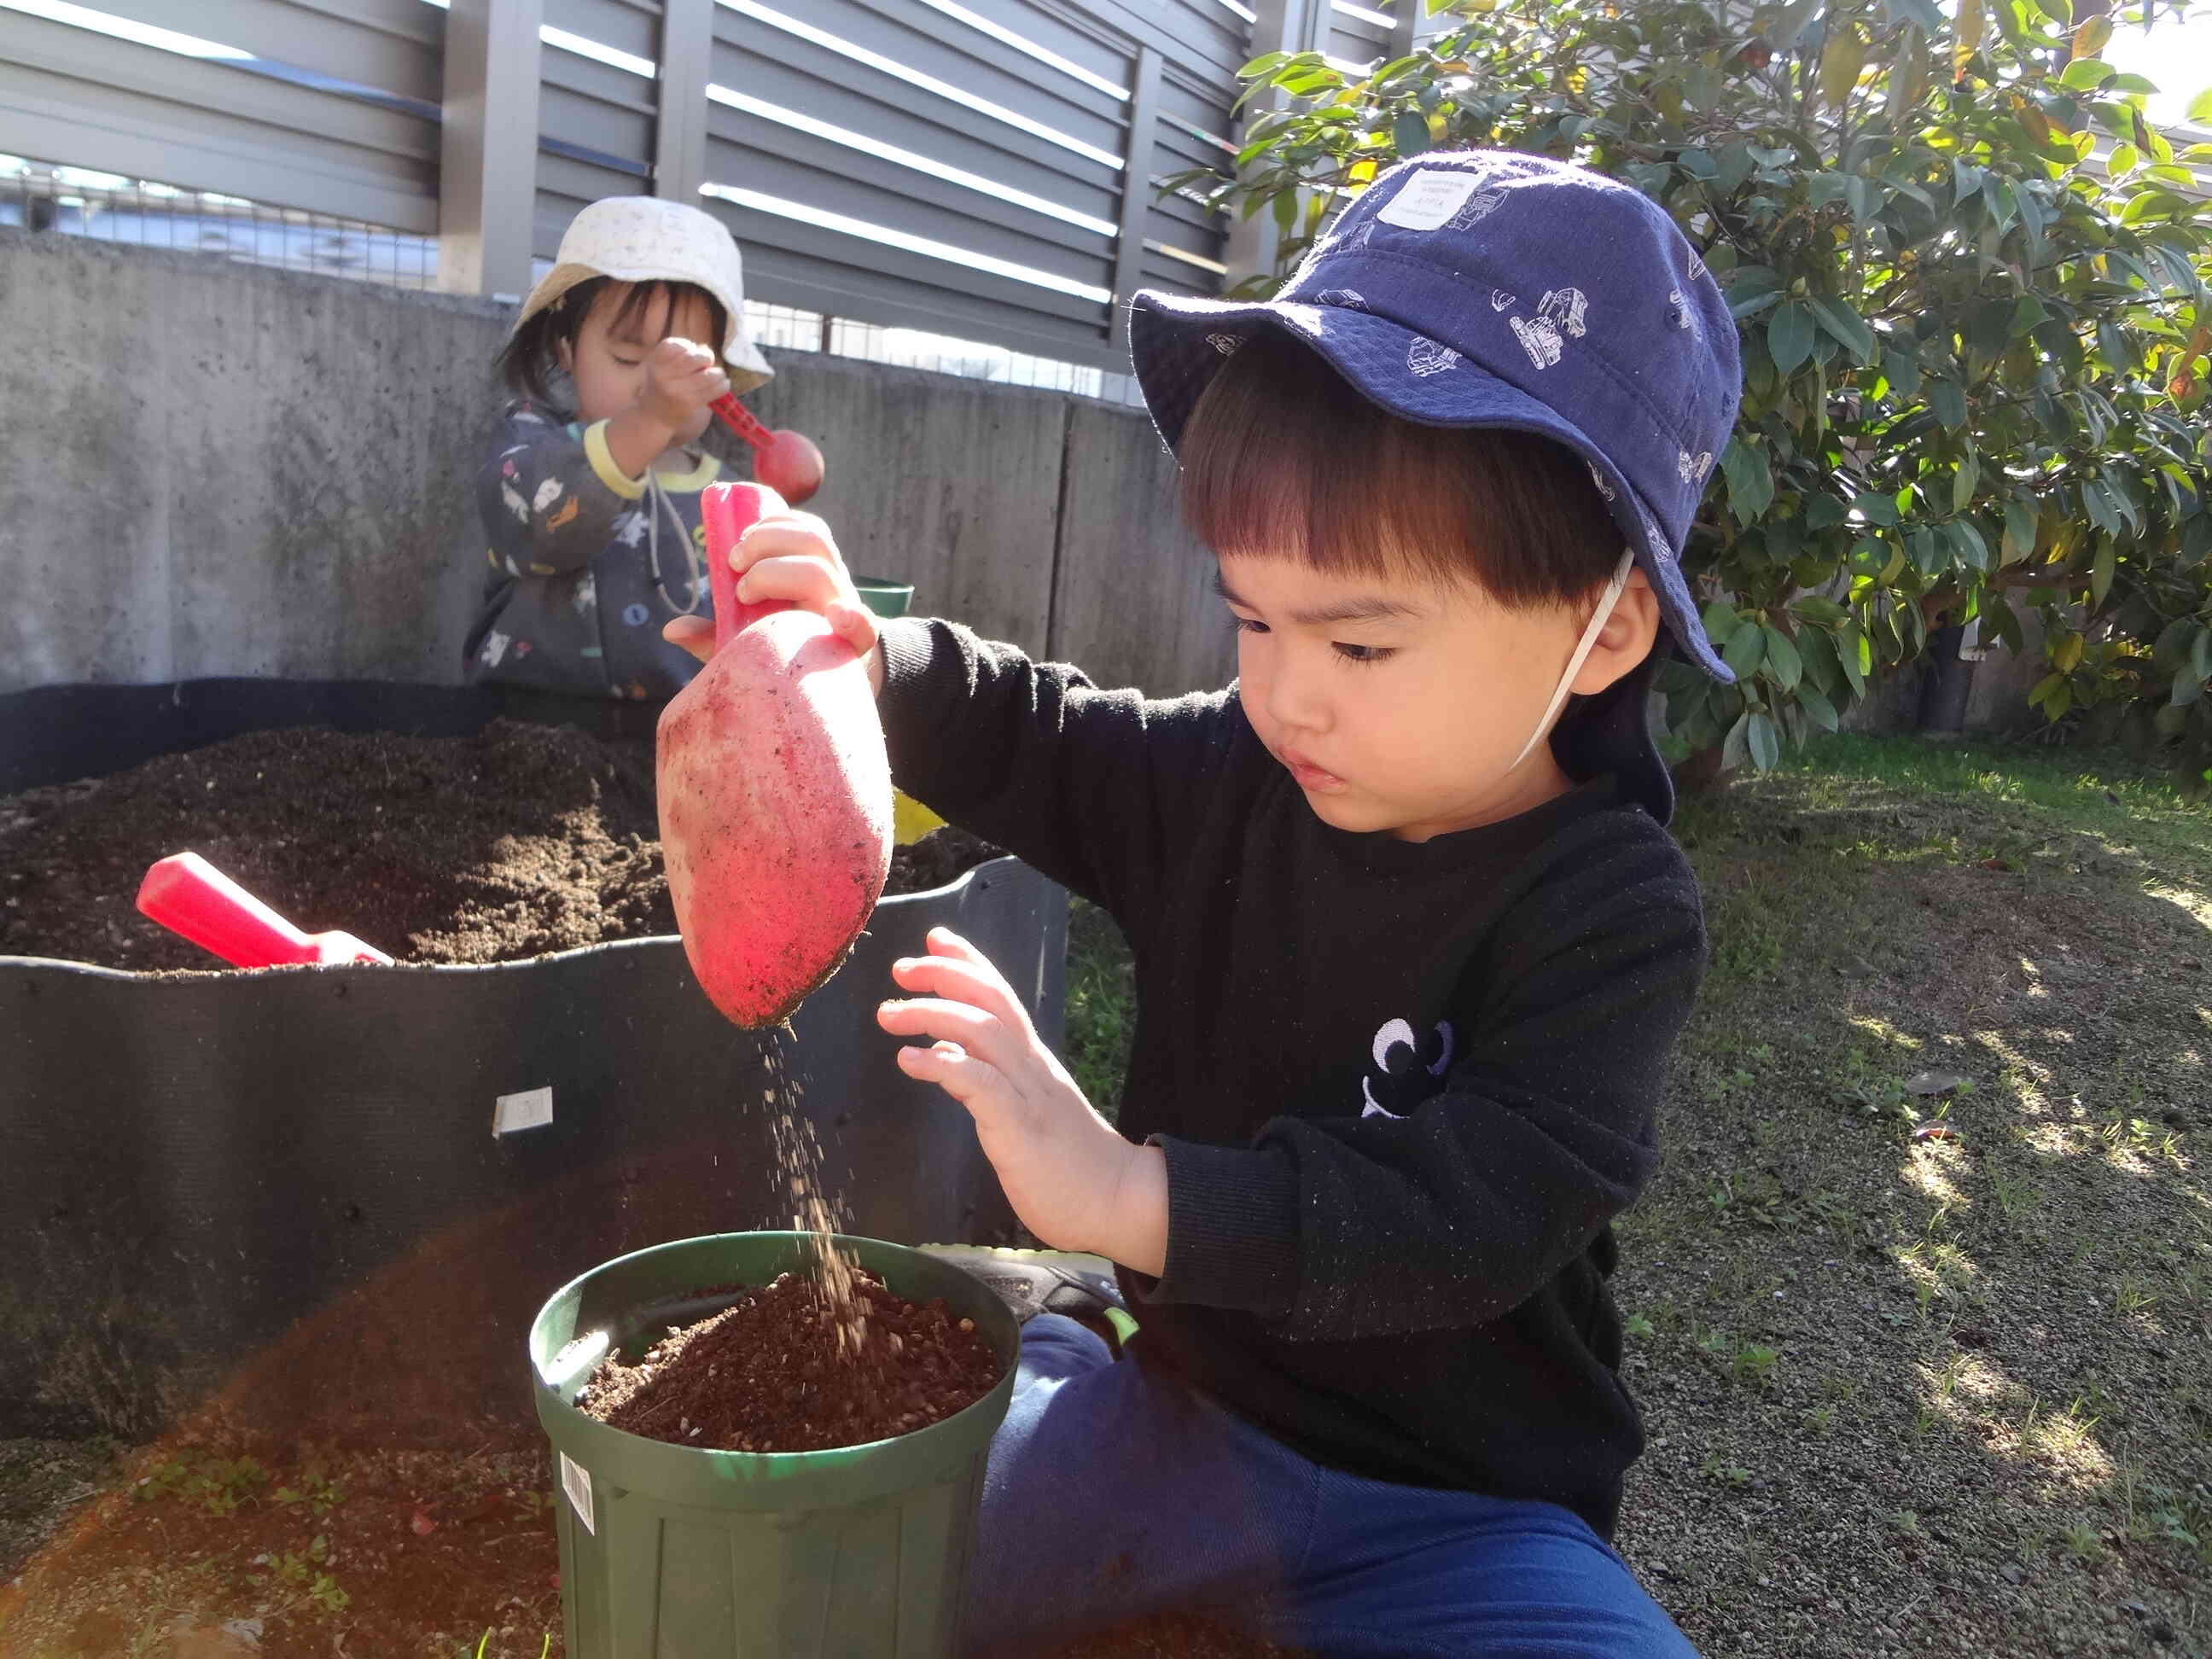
{"x":329,"y":107}
{"x":983,"y":169}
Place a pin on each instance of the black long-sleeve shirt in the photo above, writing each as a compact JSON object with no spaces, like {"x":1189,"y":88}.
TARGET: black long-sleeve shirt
{"x":1402,"y":1088}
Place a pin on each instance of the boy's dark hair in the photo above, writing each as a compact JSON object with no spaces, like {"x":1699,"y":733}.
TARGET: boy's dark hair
{"x":529,"y":354}
{"x":1281,"y":458}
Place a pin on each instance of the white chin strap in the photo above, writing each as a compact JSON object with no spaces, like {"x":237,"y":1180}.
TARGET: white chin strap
{"x":1605,"y":605}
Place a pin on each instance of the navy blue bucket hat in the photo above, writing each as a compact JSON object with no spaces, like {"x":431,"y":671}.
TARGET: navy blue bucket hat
{"x":1488,"y":288}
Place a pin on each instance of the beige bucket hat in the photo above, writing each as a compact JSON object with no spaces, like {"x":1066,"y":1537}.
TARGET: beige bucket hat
{"x":643,"y":239}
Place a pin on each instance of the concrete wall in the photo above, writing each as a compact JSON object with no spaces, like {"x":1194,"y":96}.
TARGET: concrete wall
{"x":208,"y":468}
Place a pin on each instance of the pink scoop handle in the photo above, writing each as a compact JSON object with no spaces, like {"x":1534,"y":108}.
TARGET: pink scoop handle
{"x":190,"y":897}
{"x":728,"y":510}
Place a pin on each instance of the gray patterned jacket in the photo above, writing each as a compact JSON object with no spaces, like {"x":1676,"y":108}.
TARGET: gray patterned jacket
{"x":572,"y":603}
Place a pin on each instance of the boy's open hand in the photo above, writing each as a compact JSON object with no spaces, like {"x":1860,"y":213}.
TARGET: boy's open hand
{"x":791,"y":557}
{"x":1073,"y":1181}
{"x":682,"y":377}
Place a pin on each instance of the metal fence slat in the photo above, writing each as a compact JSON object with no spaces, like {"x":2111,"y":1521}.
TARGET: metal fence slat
{"x":366,"y":48}
{"x":1070,"y":111}
{"x":876,"y":194}
{"x":818,"y":84}
{"x":199,"y":125}
{"x":626,"y":28}
{"x":1136,"y":187}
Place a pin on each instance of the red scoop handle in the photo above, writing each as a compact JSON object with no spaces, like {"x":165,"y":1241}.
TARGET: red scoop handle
{"x":728,"y":510}
{"x":189,"y":896}
{"x":741,"y":420}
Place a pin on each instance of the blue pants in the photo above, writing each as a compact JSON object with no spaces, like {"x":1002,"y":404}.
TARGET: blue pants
{"x":1112,"y":1495}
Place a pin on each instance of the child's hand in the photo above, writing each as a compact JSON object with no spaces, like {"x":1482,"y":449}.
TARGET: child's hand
{"x":1074,"y":1181}
{"x":791,"y":557}
{"x":682,"y":377}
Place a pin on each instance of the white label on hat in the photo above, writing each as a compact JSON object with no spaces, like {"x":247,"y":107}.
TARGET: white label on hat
{"x":531,"y":1109}
{"x":1429,"y":198}
{"x":576,"y":1481}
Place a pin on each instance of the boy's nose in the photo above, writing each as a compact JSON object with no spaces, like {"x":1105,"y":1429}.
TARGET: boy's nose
{"x":1295,"y":703}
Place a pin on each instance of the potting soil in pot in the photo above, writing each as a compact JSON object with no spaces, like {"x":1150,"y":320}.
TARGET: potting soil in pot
{"x":518,"y":841}
{"x":794,"y":1366}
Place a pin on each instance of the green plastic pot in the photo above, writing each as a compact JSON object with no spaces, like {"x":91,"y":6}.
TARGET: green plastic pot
{"x":883,"y":596}
{"x":666,"y":1550}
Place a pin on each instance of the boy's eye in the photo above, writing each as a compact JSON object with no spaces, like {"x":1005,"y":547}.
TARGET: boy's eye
{"x":1367,"y":653}
{"x":628,"y":362}
{"x":1249,"y":624}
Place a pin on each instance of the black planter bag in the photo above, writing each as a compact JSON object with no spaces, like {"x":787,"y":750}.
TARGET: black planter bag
{"x":282,"y":1192}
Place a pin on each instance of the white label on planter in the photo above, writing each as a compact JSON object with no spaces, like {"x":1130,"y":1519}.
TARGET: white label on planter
{"x":531,"y":1109}
{"x":576,"y":1481}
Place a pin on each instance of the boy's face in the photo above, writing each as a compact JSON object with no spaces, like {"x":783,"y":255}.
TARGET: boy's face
{"x":607,"y":361}
{"x":1398,"y":705}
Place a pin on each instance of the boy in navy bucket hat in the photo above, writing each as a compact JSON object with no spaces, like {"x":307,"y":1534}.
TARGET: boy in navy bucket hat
{"x":1413,"y":944}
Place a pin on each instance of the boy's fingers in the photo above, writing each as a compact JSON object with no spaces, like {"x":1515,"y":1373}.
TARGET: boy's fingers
{"x":965,"y":983}
{"x":791,"y":533}
{"x":946,"y":942}
{"x":693,"y":634}
{"x":855,"y":625}
{"x":946,"y":1021}
{"x":802,"y":582}
{"x":976,"y":1083}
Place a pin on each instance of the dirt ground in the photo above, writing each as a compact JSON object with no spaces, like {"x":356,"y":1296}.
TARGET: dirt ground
{"x":521,"y":840}
{"x":1919,"y":1308}
{"x":1921,"y":1305}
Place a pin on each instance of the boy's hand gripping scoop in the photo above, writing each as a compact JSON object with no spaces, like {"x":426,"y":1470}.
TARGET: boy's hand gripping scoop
{"x":775,"y":794}
{"x":189,"y":896}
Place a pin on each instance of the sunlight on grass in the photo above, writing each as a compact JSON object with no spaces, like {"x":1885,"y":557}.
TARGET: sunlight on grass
{"x":1883,"y":1031}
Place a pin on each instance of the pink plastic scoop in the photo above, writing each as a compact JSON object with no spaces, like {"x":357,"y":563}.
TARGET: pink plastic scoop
{"x":776,"y":792}
{"x":784,"y":461}
{"x":189,"y":896}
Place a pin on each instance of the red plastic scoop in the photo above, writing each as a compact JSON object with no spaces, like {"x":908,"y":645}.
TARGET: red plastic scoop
{"x":784,"y":461}
{"x":189,"y":896}
{"x":775,"y":794}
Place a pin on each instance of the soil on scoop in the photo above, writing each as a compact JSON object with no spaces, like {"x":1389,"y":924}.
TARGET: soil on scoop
{"x":521,"y":840}
{"x":784,"y":1370}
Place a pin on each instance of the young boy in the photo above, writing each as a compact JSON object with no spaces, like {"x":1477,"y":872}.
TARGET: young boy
{"x":1411,"y":948}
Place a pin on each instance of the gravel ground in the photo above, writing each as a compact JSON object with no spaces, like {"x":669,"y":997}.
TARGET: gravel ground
{"x":1919,"y":1305}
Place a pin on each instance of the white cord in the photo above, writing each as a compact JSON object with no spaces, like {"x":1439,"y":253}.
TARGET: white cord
{"x":656,"y":503}
{"x":1605,"y":605}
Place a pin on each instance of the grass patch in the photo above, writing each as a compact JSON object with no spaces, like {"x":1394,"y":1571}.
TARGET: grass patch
{"x":1102,"y":1006}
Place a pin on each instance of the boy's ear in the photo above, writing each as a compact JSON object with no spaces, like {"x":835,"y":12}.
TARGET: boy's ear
{"x":1625,"y":639}
{"x":564,"y":352}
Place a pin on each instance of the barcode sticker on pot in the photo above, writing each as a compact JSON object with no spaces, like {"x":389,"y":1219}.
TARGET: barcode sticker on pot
{"x":576,"y":1481}
{"x":531,"y":1109}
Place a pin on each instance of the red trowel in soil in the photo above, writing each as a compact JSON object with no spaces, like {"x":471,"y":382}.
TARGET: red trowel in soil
{"x":775,"y":794}
{"x":189,"y":896}
{"x":785,"y":461}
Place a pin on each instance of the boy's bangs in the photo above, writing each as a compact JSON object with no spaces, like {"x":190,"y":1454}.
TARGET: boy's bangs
{"x":1280,"y":466}
{"x":1281,"y":458}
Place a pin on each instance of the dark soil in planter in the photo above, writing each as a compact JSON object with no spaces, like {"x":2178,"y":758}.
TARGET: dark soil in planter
{"x":521,"y":840}
{"x":787,"y":1368}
